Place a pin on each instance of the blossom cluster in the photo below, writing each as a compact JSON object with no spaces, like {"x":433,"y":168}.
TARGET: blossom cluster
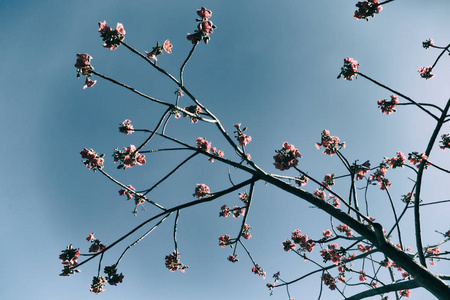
{"x":328,"y":180}
{"x":398,"y":161}
{"x":173,"y":262}
{"x":388,"y":107}
{"x":128,"y":158}
{"x":241,"y":137}
{"x":415,"y":158}
{"x":83,"y":66}
{"x":345,"y":229}
{"x":331,"y":143}
{"x":93,"y":160}
{"x":236,"y":211}
{"x":246,"y":231}
{"x":111,"y":275}
{"x":204,"y":145}
{"x":205,"y":27}
{"x":349,"y":69}
{"x":195,"y":110}
{"x":126,"y":128}
{"x":138,"y":197}
{"x":286,"y":157}
{"x":224,"y":240}
{"x":69,"y":258}
{"x":98,"y":284}
{"x":361,"y":170}
{"x":331,"y":253}
{"x":428,"y":43}
{"x":425,"y":72}
{"x":378,"y":176}
{"x":363,"y":248}
{"x":445,"y":141}
{"x":158,"y":50}
{"x":233,"y":258}
{"x":366,"y":9}
{"x":201,"y":191}
{"x":329,"y":281}
{"x":258,"y":270}
{"x":303,"y":241}
{"x":301,"y":180}
{"x":111,"y":37}
{"x":96,"y":244}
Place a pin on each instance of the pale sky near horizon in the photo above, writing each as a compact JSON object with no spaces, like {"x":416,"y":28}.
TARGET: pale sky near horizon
{"x":270,"y":65}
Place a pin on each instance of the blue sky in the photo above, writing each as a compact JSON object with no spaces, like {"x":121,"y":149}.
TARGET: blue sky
{"x":271,"y":66}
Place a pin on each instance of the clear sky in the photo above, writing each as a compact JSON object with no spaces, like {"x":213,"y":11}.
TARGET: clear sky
{"x":270,"y":65}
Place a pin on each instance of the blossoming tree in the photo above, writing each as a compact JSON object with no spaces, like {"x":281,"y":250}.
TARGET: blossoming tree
{"x":385,"y":263}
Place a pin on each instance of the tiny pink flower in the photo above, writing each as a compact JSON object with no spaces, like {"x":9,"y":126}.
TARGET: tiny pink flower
{"x":151,"y":55}
{"x":167,"y":46}
{"x":89,"y":83}
{"x":204,"y":13}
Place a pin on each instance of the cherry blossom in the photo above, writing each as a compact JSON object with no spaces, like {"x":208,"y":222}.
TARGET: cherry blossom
{"x":428,"y":43}
{"x":425,"y":72}
{"x":388,"y":107}
{"x":366,"y":9}
{"x":112,"y":277}
{"x":126,"y":128}
{"x":173,"y":262}
{"x":128,"y":158}
{"x":350,"y":69}
{"x":224,"y":240}
{"x":331,"y":143}
{"x":167,"y":46}
{"x":194,"y":109}
{"x":98,"y":284}
{"x":286,"y":157}
{"x":93,"y":160}
{"x":111,"y":38}
{"x":201,"y":191}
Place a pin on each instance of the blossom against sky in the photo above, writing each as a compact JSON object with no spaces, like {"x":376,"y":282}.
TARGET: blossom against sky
{"x":271,"y":66}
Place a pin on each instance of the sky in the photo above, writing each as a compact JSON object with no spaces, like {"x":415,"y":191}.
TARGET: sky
{"x":271,"y":66}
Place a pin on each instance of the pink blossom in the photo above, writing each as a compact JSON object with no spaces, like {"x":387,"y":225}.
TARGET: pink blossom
{"x":89,"y":83}
{"x":126,"y":192}
{"x":90,"y":237}
{"x":204,"y":13}
{"x":224,"y":240}
{"x":362,"y":276}
{"x":201,"y":191}
{"x":256,"y":269}
{"x":405,"y":293}
{"x":301,"y":180}
{"x":93,"y":161}
{"x":98,"y":284}
{"x":330,"y":143}
{"x":428,"y":43}
{"x":327,"y":233}
{"x":195,"y":110}
{"x":167,"y":46}
{"x":319,"y":194}
{"x":129,"y":157}
{"x":350,"y":69}
{"x":120,"y":29}
{"x":173,"y":262}
{"x":244,"y":139}
{"x":366,"y":9}
{"x":151,"y":55}
{"x":388,"y":107}
{"x":224,"y":211}
{"x":111,"y":38}
{"x":425,"y":72}
{"x":203,"y":144}
{"x":286,"y":157}
{"x":233,"y":258}
{"x":329,"y":281}
{"x":288,"y":245}
{"x":83,"y":63}
{"x":398,"y":161}
{"x":126,"y":127}
{"x":206,"y":27}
